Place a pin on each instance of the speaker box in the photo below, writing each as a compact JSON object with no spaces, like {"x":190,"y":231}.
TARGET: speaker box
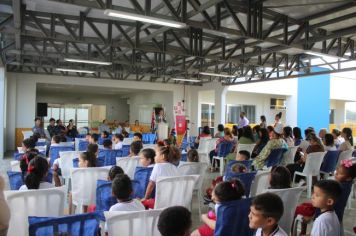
{"x":42,"y":109}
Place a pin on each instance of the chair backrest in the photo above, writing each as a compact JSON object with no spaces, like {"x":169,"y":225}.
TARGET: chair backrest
{"x":109,"y":156}
{"x":148,"y":138}
{"x":18,"y":155}
{"x":246,"y":178}
{"x":76,"y":143}
{"x":125,"y":150}
{"x":39,"y":202}
{"x":275,"y":157}
{"x":27,"y":134}
{"x":245,"y":147}
{"x":184,"y":156}
{"x":232,"y":218}
{"x":345,"y":155}
{"x":290,"y":198}
{"x":128,"y":164}
{"x":203,"y":144}
{"x":104,"y":198}
{"x":194,"y":168}
{"x":224,"y":148}
{"x":15,"y":166}
{"x":288,"y":156}
{"x":127,"y":141}
{"x":260,"y":183}
{"x":212,"y":144}
{"x":83,"y":224}
{"x":247,"y":163}
{"x":54,"y":152}
{"x":15,"y":179}
{"x":82,"y":145}
{"x":175,"y":191}
{"x":330,"y":160}
{"x":143,"y":223}
{"x":84,"y":184}
{"x":142,"y":175}
{"x":66,"y":162}
{"x":313,"y":163}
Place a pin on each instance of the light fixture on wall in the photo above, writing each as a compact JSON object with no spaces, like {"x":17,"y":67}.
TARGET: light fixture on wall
{"x":217,"y":75}
{"x":75,"y":70}
{"x":88,"y":61}
{"x":143,"y":18}
{"x":188,"y":80}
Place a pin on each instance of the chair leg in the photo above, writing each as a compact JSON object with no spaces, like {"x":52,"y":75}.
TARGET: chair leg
{"x":309,"y":185}
{"x":199,"y":204}
{"x":293,"y":179}
{"x":221,"y":166}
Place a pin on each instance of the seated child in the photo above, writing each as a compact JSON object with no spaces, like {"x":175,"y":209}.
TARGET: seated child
{"x":243,"y":155}
{"x":135,"y":148}
{"x":87,"y":159}
{"x":107,"y":144}
{"x":147,"y":157}
{"x":104,"y":135}
{"x":55,"y":141}
{"x":192,"y":155}
{"x":37,"y":171}
{"x":168,"y":225}
{"x":279,"y":178}
{"x":93,"y":148}
{"x":325,"y":195}
{"x":266,"y":211}
{"x":137,"y":136}
{"x":94,"y":139}
{"x":223,"y":192}
{"x":118,"y":141}
{"x":114,"y":170}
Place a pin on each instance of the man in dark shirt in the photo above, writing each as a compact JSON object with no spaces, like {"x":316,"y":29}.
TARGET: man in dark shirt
{"x":51,"y":127}
{"x":59,"y":128}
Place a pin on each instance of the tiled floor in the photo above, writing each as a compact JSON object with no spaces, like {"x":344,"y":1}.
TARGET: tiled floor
{"x":349,"y":217}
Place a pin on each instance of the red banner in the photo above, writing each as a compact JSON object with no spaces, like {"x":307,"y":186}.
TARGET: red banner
{"x":181,"y":125}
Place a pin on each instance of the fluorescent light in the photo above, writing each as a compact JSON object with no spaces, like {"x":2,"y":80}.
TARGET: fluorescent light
{"x":188,"y":80}
{"x":88,"y":61}
{"x":74,"y":70}
{"x":147,"y":19}
{"x":324,"y":56}
{"x":217,"y":75}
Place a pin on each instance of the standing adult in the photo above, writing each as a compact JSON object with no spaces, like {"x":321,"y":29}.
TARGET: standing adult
{"x":104,"y":127}
{"x":243,"y":120}
{"x":51,"y":128}
{"x":38,"y":129}
{"x":277,"y":119}
{"x":72,"y":129}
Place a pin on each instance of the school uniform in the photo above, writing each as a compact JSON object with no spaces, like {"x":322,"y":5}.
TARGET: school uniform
{"x":326,"y":224}
{"x":43,"y":185}
{"x":277,"y":232}
{"x":163,"y":170}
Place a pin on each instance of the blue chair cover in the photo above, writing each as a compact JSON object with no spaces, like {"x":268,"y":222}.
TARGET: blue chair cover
{"x":224,"y":148}
{"x":75,"y":162}
{"x":125,"y":150}
{"x":41,"y":143}
{"x":142,"y":175}
{"x":354,"y":154}
{"x":81,"y":135}
{"x":275,"y":157}
{"x":131,"y":135}
{"x":69,"y":139}
{"x":54,"y":152}
{"x":246,"y":179}
{"x":101,"y":140}
{"x":109,"y":156}
{"x":184,"y":144}
{"x":136,"y":188}
{"x":17,"y":156}
{"x":15,"y":179}
{"x":330,"y":161}
{"x":232,"y":218}
{"x":83,"y":144}
{"x":148,"y":138}
{"x":74,"y":225}
{"x":247,"y":163}
{"x":192,"y":141}
{"x":100,"y":161}
{"x":184,"y":157}
{"x":104,"y":198}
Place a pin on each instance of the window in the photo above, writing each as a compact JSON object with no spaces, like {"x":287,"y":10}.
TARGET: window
{"x":233,"y":113}
{"x":207,"y":115}
{"x":79,"y":113}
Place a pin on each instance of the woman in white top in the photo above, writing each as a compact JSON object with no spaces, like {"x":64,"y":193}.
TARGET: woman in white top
{"x":329,"y":142}
{"x":288,"y":136}
{"x":117,"y":140}
{"x":346,"y":133}
{"x":37,"y":171}
{"x":164,"y":167}
{"x":277,"y":119}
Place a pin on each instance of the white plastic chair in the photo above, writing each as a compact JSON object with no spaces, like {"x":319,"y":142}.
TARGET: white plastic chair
{"x":260,"y":183}
{"x":344,"y":155}
{"x":66,"y":144}
{"x":39,"y":202}
{"x":128,"y":164}
{"x":245,"y":147}
{"x":76,"y":143}
{"x":66,"y":162}
{"x":143,"y":223}
{"x":27,"y":134}
{"x":203,"y":149}
{"x":311,"y":168}
{"x":84,"y":184}
{"x":288,"y":156}
{"x":210,"y":145}
{"x":195,"y":168}
{"x":175,"y":191}
{"x":152,"y":146}
{"x":15,"y":166}
{"x":127,"y":141}
{"x":290,"y":198}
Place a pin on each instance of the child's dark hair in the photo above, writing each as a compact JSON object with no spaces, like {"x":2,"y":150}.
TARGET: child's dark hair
{"x":279,"y":115}
{"x":220,"y":127}
{"x":25,"y":160}
{"x":269,"y":204}
{"x":37,"y":170}
{"x":29,"y":143}
{"x":93,"y":148}
{"x":193,"y":155}
{"x":245,"y":153}
{"x":149,"y":154}
{"x":170,"y":153}
{"x":90,"y":157}
{"x":95,"y":137}
{"x":297,"y":133}
{"x":329,"y":139}
{"x":139,"y":135}
{"x":122,"y":187}
{"x":280,"y":178}
{"x":136,"y":147}
{"x":56,"y":138}
{"x":351,"y":170}
{"x":107,"y":143}
{"x":63,"y":138}
{"x":105,"y":133}
{"x":229,"y":190}
{"x":168,"y":225}
{"x":125,"y":134}
{"x":330,"y":187}
{"x":119,"y":137}
{"x":348,"y":133}
{"x":115,"y":170}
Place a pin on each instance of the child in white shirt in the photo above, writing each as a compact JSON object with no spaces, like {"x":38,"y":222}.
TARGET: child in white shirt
{"x":118,"y":141}
{"x":147,"y":157}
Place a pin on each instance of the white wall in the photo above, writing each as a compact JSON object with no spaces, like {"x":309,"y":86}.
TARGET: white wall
{"x":116,"y":107}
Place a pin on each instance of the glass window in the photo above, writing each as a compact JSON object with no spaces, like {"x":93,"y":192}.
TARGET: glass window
{"x":233,"y":113}
{"x":207,"y":115}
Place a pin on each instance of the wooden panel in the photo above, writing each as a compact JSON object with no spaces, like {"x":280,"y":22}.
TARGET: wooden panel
{"x":19,"y":136}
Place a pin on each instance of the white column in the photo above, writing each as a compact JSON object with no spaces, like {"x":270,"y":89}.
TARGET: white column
{"x":340,"y":112}
{"x":2,"y":110}
{"x":292,"y":104}
{"x":220,"y":105}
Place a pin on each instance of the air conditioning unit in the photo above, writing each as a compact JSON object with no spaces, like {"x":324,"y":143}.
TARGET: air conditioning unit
{"x":278,"y":104}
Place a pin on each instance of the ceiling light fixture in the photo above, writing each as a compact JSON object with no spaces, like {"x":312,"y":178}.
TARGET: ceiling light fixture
{"x":217,"y":75}
{"x":88,"y":61}
{"x":74,"y":70}
{"x":146,"y":19}
{"x":324,"y":56}
{"x":188,"y":80}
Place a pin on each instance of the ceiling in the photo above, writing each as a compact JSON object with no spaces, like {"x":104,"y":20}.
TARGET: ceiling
{"x":251,"y":40}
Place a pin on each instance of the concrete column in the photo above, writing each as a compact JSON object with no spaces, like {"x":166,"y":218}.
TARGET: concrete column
{"x":220,"y":105}
{"x":292,"y":104}
{"x":340,"y":112}
{"x":2,"y":110}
